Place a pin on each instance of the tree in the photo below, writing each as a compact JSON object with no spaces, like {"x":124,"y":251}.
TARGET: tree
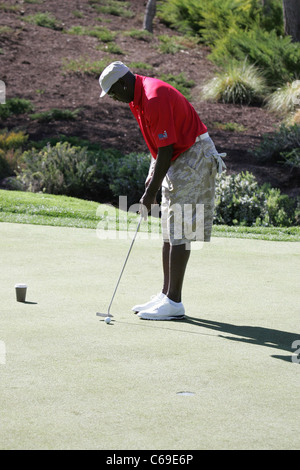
{"x":291,"y":15}
{"x":149,"y":15}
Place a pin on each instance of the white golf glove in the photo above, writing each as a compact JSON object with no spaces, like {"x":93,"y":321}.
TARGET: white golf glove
{"x":210,"y":150}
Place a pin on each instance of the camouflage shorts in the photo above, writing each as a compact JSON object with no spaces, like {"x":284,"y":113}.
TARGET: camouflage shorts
{"x":188,"y":194}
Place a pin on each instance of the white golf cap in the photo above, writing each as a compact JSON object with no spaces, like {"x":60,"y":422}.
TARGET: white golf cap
{"x":110,"y":75}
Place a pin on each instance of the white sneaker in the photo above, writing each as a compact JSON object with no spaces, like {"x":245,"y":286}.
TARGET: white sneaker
{"x":165,"y":310}
{"x":154,"y":300}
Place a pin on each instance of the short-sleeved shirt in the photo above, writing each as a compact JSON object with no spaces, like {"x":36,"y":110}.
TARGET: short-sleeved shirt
{"x":165,"y":116}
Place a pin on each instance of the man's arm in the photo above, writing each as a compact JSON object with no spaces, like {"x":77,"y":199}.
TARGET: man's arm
{"x":162,"y":164}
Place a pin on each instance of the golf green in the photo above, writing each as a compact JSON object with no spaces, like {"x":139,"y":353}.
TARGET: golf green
{"x":69,"y":381}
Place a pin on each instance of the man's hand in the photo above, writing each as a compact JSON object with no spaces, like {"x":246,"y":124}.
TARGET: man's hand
{"x":147,"y":200}
{"x":162,"y":165}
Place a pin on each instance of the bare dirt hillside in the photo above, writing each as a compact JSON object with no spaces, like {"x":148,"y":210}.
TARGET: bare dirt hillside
{"x":31,"y":64}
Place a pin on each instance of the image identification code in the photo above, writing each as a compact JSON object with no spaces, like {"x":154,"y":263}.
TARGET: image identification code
{"x":155,"y":459}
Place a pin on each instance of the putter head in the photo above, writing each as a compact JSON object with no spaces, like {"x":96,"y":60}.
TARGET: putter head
{"x":98,"y":314}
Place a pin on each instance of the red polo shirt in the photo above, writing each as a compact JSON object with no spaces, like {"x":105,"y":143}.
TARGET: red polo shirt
{"x":165,"y":116}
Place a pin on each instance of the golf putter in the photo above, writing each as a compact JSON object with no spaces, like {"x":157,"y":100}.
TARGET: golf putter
{"x":108,"y":314}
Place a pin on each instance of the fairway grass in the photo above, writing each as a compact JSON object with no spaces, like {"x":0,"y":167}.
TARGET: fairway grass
{"x":62,"y":211}
{"x":69,"y":381}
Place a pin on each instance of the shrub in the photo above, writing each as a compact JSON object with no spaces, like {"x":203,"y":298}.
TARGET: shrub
{"x":173,"y":44}
{"x":12,"y":139}
{"x":113,"y":7}
{"x":129,"y":175}
{"x":46,"y":20}
{"x":278,"y":145}
{"x":55,"y":115}
{"x":211,"y":20}
{"x":285,"y":99}
{"x":15,"y":106}
{"x":280,"y":208}
{"x":139,"y":34}
{"x":277,"y":57}
{"x":236,"y":29}
{"x":241,"y":84}
{"x":11,"y":145}
{"x":76,"y":171}
{"x":99,"y":32}
{"x":84,"y":66}
{"x":62,"y":169}
{"x":241,"y":201}
{"x":179,"y":82}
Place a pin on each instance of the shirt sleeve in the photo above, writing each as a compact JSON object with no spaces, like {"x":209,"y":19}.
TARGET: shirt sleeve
{"x":159,"y":115}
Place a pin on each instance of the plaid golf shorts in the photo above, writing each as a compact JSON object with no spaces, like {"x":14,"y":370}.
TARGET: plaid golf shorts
{"x":188,"y":194}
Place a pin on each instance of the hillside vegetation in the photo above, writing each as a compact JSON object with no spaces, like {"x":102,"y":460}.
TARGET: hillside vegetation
{"x":228,"y":57}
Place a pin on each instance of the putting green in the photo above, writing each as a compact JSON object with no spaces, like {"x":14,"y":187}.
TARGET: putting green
{"x":69,"y":381}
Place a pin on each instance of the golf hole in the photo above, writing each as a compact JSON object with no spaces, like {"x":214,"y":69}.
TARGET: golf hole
{"x":186,"y":394}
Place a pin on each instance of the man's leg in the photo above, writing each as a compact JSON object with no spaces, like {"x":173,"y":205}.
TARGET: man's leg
{"x":175,"y":259}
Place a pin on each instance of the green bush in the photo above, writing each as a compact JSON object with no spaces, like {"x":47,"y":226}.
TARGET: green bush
{"x":11,"y":145}
{"x":235,"y":30}
{"x":242,"y":84}
{"x":46,"y":20}
{"x":129,"y":175}
{"x":241,"y":201}
{"x":100,"y":175}
{"x":5,"y":169}
{"x":179,"y":82}
{"x":277,"y":147}
{"x":277,"y":57}
{"x":280,"y":208}
{"x":285,"y":99}
{"x":214,"y":18}
{"x":55,"y":115}
{"x":15,"y":106}
{"x":64,"y":169}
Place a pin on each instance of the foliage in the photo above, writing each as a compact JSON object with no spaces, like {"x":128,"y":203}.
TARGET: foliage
{"x":99,"y":32}
{"x":241,"y":84}
{"x":15,"y":106}
{"x":241,"y":201}
{"x":214,"y":18}
{"x":61,"y":169}
{"x":12,"y":139}
{"x":55,"y":115}
{"x":277,"y":57}
{"x":235,"y":30}
{"x":141,"y":35}
{"x":76,"y":171}
{"x":173,"y":44}
{"x":285,"y":99}
{"x":11,"y":145}
{"x":46,"y":20}
{"x":84,"y":66}
{"x":113,"y":7}
{"x":179,"y":82}
{"x":128,"y":177}
{"x":280,"y":145}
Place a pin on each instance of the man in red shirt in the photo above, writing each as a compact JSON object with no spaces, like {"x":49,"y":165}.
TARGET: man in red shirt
{"x":184,"y":164}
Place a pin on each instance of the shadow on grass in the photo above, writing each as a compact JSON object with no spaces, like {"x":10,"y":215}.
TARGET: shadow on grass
{"x":282,"y":340}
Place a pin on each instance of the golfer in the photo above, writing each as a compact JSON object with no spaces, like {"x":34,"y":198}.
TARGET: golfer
{"x":184,"y":165}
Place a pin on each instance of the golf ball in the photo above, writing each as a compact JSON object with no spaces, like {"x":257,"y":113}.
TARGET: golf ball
{"x":107,"y":320}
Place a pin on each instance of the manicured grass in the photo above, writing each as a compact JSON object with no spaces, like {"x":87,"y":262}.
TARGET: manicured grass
{"x":69,"y":381}
{"x":63,"y":211}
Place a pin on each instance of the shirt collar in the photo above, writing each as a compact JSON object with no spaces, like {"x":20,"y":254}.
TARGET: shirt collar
{"x":137,"y":91}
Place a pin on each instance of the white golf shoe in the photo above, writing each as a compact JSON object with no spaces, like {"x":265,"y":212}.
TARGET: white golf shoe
{"x":166,"y":309}
{"x":153,"y":301}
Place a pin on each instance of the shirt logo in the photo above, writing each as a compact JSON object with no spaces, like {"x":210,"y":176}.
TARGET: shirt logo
{"x":163,"y":136}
